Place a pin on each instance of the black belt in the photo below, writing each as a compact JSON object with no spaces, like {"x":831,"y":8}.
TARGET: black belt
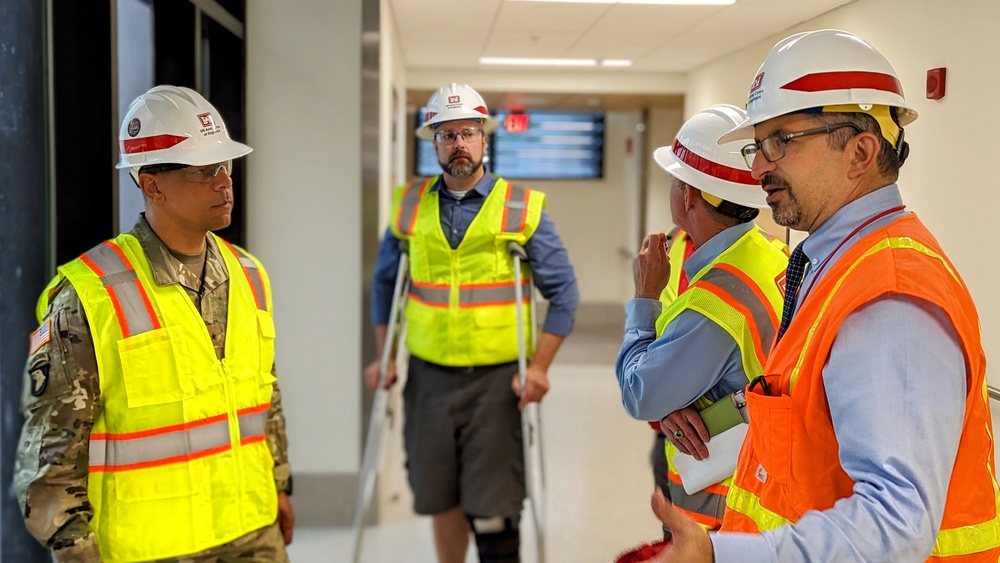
{"x":463,"y":370}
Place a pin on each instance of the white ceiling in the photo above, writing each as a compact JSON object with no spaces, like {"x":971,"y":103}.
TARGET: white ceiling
{"x":453,"y":34}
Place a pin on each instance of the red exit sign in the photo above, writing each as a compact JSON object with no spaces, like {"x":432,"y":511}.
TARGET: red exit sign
{"x":516,"y":122}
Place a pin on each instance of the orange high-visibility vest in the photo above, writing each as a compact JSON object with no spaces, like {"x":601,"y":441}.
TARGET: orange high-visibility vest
{"x":790,"y":464}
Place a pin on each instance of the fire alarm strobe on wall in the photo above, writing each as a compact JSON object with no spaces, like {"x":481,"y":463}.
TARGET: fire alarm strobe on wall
{"x":935,"y":83}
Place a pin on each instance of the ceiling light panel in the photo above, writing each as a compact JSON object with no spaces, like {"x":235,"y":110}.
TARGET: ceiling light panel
{"x":649,"y":2}
{"x":522,"y":61}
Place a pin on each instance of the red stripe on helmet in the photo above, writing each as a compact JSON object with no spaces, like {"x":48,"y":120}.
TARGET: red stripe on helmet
{"x":481,"y":109}
{"x":845,"y":80}
{"x":154,"y":143}
{"x":714,"y":169}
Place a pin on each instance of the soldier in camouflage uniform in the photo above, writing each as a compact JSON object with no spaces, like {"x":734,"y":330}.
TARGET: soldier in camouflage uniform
{"x":62,"y":393}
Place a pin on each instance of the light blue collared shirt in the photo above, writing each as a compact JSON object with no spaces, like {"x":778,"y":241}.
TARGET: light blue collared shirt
{"x":693,"y":357}
{"x":895,"y":380}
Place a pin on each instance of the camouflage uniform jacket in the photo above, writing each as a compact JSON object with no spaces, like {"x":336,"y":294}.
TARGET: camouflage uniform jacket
{"x":61,"y":401}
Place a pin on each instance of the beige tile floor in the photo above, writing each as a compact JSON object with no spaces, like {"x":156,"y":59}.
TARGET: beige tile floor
{"x":596,"y":472}
{"x":597,"y":475}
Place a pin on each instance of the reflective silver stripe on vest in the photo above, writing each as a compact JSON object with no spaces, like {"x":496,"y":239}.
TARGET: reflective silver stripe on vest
{"x":253,"y":276}
{"x":472,"y":296}
{"x":703,"y":502}
{"x":468,"y":295}
{"x":439,"y":296}
{"x":158,"y":449}
{"x":117,"y":275}
{"x":408,"y":207}
{"x":515,"y":209}
{"x":253,"y":424}
{"x":741,"y":292}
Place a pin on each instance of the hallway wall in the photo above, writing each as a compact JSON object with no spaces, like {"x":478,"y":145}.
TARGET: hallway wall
{"x":952,"y":143}
{"x":304,"y":123}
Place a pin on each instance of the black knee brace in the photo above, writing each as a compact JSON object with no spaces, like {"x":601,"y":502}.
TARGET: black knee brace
{"x":497,"y":538}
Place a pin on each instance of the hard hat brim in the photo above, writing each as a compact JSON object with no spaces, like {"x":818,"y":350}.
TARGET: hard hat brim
{"x":745,"y":130}
{"x":742,"y":131}
{"x":746,"y":195}
{"x":426,"y":132}
{"x":201,"y":155}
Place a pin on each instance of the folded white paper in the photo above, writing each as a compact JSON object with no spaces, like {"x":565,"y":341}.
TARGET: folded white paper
{"x":723,"y":451}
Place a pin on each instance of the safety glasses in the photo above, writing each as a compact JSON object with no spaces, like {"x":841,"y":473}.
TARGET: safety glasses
{"x":468,"y":134}
{"x":198,"y":174}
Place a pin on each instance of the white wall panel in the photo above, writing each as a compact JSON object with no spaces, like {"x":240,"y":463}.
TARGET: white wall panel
{"x":947,"y":180}
{"x":303,"y":214}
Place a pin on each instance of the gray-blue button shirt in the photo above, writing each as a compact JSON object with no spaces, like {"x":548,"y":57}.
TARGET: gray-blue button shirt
{"x":693,"y":357}
{"x":549,"y":261}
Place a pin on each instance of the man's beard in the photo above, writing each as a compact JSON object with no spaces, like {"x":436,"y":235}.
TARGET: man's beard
{"x":461,"y":169}
{"x":790,"y":213}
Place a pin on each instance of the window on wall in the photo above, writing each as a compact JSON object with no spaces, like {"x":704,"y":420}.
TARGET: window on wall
{"x":550,"y":145}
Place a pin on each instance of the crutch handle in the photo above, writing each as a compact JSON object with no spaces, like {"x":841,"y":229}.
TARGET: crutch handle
{"x":516,"y":249}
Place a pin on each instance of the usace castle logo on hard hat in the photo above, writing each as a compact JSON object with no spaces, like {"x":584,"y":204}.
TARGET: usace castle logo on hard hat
{"x":454,"y":99}
{"x":755,"y":88}
{"x":208,"y":126}
{"x":134,"y":126}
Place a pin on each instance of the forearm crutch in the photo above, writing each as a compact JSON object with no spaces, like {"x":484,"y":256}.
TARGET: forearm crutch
{"x":376,"y":421}
{"x":531,"y":428}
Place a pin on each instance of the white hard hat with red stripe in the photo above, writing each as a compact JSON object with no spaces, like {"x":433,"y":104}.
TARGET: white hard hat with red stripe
{"x":173,"y":124}
{"x":828,"y":70}
{"x":697,"y":159}
{"x":452,"y":103}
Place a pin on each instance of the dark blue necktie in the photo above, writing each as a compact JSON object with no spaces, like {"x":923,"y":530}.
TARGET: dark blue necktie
{"x":793,"y":279}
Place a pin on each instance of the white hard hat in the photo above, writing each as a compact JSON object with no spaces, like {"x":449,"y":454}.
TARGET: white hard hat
{"x":173,"y":124}
{"x":697,"y":159}
{"x":827,"y":69}
{"x":452,"y":103}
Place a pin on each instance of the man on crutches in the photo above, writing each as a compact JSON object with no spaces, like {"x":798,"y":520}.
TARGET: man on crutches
{"x":462,"y":427}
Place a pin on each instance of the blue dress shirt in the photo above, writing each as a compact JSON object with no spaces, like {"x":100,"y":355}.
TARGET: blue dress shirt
{"x":895,"y":380}
{"x":549,"y":261}
{"x":693,"y":357}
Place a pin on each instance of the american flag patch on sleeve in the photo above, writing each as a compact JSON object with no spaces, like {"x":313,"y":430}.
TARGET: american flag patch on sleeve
{"x":40,"y":336}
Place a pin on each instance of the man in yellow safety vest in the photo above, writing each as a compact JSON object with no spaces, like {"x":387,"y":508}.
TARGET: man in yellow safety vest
{"x":154,"y":428}
{"x":712,"y":338}
{"x":462,"y":430}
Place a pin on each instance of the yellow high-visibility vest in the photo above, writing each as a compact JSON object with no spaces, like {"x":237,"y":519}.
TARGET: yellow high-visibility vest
{"x":179,"y":461}
{"x":741,"y":291}
{"x":461,"y":309}
{"x":679,"y":243}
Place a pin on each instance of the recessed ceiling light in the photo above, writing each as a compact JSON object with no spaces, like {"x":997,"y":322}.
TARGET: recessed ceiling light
{"x":536,"y":62}
{"x":616,"y":62}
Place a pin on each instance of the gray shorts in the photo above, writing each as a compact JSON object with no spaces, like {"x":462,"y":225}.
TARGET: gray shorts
{"x":462,"y":433}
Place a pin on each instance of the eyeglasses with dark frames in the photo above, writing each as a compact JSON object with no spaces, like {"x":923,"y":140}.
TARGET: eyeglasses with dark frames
{"x":773,"y":146}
